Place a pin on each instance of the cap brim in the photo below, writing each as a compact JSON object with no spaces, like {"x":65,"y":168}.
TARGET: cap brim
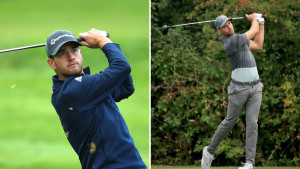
{"x":60,"y":45}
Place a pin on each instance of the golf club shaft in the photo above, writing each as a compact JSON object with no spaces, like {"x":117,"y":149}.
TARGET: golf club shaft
{"x":193,"y":23}
{"x":21,"y":48}
{"x":39,"y":45}
{"x":32,"y":46}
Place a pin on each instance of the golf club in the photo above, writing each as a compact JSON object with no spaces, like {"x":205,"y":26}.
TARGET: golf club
{"x":39,"y":45}
{"x":165,"y":28}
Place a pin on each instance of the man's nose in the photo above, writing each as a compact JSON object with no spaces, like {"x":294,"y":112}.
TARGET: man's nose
{"x":70,"y":56}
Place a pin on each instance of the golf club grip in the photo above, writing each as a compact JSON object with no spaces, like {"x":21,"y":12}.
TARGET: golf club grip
{"x":81,"y":39}
{"x":264,"y":16}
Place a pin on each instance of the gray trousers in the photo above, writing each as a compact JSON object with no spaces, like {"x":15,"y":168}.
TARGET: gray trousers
{"x":238,"y":97}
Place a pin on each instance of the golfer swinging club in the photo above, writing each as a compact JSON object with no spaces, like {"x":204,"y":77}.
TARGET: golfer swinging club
{"x":245,"y":89}
{"x":86,"y":103}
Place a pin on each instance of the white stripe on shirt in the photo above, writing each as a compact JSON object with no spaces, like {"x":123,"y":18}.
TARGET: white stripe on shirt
{"x":245,"y":74}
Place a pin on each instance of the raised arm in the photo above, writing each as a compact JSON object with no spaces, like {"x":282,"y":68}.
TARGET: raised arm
{"x":124,"y":90}
{"x":258,"y":42}
{"x":254,"y":29}
{"x":91,"y":89}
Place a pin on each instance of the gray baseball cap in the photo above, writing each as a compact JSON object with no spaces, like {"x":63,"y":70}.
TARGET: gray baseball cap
{"x":57,"y":39}
{"x":220,"y":21}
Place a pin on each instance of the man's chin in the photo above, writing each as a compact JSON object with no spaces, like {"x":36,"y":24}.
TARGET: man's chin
{"x":230,"y":34}
{"x":75,"y":73}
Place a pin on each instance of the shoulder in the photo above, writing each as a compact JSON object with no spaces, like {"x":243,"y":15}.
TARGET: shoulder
{"x":243,"y":36}
{"x":239,"y":39}
{"x":72,"y":86}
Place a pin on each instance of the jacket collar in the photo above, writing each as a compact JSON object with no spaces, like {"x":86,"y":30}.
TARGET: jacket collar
{"x":57,"y":83}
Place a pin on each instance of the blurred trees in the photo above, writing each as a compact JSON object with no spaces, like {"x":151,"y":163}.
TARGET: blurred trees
{"x":190,"y":73}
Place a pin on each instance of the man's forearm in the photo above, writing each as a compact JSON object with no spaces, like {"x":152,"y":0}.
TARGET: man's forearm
{"x":254,"y":29}
{"x":259,"y":38}
{"x":254,"y":26}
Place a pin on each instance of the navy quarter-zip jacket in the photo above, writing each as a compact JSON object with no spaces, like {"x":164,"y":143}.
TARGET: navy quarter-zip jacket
{"x":90,"y":117}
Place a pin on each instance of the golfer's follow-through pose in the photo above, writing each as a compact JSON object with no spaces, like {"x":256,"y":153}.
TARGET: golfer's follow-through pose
{"x":245,"y":89}
{"x":86,"y":103}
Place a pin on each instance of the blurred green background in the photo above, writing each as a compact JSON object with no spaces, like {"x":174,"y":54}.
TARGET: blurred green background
{"x":31,"y":135}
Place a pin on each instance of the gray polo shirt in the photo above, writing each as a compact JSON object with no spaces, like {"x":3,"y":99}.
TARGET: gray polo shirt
{"x":241,"y":59}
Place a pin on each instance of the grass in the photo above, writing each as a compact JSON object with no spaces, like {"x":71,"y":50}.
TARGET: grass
{"x":31,"y":135}
{"x":180,"y":167}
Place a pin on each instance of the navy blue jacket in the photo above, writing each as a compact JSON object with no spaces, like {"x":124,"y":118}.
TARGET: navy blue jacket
{"x":90,"y":117}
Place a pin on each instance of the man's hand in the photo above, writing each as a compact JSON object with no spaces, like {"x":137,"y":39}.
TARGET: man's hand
{"x":94,"y":38}
{"x":251,"y":17}
{"x":259,"y":18}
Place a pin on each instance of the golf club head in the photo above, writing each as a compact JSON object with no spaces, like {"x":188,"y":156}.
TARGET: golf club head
{"x":165,"y":29}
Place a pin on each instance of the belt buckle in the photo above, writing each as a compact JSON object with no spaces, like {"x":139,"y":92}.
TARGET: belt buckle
{"x":255,"y":82}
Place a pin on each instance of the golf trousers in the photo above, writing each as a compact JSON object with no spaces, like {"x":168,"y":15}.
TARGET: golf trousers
{"x":239,"y":96}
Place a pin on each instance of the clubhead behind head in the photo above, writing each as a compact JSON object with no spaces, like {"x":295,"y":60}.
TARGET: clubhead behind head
{"x":165,"y":29}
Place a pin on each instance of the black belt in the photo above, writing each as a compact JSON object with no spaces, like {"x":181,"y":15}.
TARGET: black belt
{"x":245,"y":83}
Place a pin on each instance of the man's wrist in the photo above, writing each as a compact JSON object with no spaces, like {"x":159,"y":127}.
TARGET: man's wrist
{"x":104,"y":42}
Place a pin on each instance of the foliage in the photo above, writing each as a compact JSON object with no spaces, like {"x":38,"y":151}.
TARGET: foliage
{"x":190,"y":73}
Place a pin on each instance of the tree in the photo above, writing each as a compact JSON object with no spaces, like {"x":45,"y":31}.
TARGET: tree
{"x":190,"y":73}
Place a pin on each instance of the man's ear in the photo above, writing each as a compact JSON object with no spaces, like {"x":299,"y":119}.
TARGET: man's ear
{"x":218,"y":30}
{"x":81,"y":54}
{"x":51,"y":63}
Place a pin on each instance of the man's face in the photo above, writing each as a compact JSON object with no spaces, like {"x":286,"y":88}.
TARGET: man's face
{"x":67,"y":62}
{"x":227,"y":29}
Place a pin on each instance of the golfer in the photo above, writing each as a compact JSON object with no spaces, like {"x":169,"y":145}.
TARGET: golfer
{"x":245,"y":89}
{"x":86,"y":104}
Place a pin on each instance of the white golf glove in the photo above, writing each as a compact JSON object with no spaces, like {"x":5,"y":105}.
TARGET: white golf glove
{"x":259,"y":18}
